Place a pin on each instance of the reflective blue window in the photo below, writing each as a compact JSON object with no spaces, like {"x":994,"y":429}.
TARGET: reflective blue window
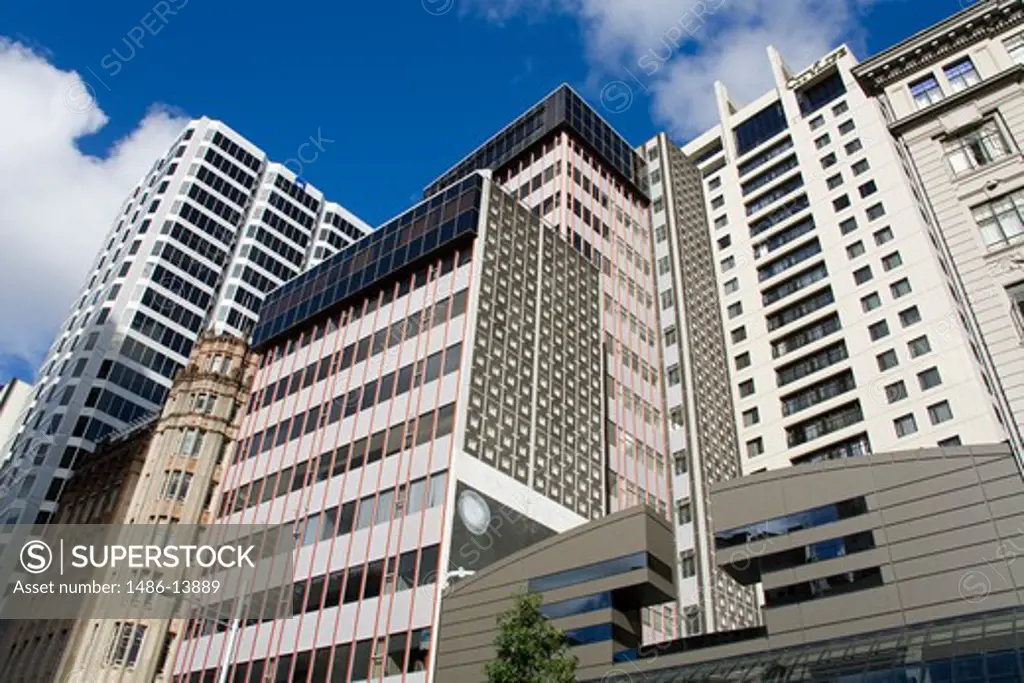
{"x":592,"y":572}
{"x":814,"y":97}
{"x":589,"y":634}
{"x":759,"y":128}
{"x":567,"y":608}
{"x":783,"y":526}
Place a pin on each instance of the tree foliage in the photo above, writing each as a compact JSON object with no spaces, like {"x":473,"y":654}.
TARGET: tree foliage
{"x":530,"y":649}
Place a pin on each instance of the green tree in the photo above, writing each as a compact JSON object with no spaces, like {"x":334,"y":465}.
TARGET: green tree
{"x":530,"y":649}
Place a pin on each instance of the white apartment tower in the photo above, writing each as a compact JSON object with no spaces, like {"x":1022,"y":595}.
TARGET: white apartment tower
{"x":843,"y":326}
{"x":212,"y":227}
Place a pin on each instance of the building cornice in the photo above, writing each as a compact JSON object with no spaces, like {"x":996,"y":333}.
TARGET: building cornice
{"x":922,"y":50}
{"x":929,"y":113}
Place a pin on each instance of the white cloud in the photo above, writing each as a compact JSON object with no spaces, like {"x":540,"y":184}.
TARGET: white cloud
{"x":677,"y":50}
{"x":56,"y":203}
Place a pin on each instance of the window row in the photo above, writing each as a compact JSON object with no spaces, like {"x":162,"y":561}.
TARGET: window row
{"x":372,"y":393}
{"x":366,"y":347}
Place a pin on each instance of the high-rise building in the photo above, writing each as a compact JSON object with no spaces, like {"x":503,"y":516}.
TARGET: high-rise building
{"x":14,"y":398}
{"x":702,"y":435}
{"x":842,"y":313}
{"x":212,"y":227}
{"x":480,"y":373}
{"x":806,"y":305}
{"x":951,"y":99}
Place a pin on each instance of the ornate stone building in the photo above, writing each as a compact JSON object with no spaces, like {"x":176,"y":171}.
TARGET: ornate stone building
{"x":161,"y":472}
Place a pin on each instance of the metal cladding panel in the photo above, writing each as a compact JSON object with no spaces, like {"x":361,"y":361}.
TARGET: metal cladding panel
{"x":420,"y":232}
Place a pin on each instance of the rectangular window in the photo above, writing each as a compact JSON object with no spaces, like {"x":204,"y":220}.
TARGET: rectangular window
{"x":794,"y":284}
{"x":848,"y":225}
{"x":768,"y":198}
{"x":929,"y":379}
{"x":875,"y":211}
{"x":746,"y":388}
{"x":878,"y":330}
{"x":926,"y":92}
{"x":976,"y":148}
{"x":867,"y":189}
{"x":808,"y":365}
{"x":1016,"y":294}
{"x":862,"y":275}
{"x":905,"y":425}
{"x":900,"y":288}
{"x":861,"y":167}
{"x":755,"y":447}
{"x":813,"y":97}
{"x":919,"y":346}
{"x":687,"y":564}
{"x":684,"y":515}
{"x":897,"y":391}
{"x":887,"y":360}
{"x":788,"y":260}
{"x":759,"y":128}
{"x":940,"y":412}
{"x":870,"y":302}
{"x":893,"y":260}
{"x":961,"y":74}
{"x":824,"y":424}
{"x":1015,"y":47}
{"x":800,"y":309}
{"x":882,"y":236}
{"x":125,"y":644}
{"x":854,"y":250}
{"x":751,"y":417}
{"x":910,"y":316}
{"x":824,"y":390}
{"x":829,"y":160}
{"x":1001,"y":221}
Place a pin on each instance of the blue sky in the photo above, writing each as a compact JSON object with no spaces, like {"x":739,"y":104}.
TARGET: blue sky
{"x":403,"y":88}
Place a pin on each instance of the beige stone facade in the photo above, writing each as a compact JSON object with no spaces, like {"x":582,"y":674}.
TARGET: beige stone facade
{"x":177,"y":465}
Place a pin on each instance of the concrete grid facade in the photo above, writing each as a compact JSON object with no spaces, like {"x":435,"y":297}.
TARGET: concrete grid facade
{"x":212,"y":227}
{"x":701,"y":424}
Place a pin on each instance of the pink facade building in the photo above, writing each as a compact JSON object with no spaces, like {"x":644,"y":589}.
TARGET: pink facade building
{"x":479,"y":373}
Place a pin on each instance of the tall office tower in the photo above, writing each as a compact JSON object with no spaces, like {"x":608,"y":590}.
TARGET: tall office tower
{"x":951,"y":98}
{"x":438,"y":396}
{"x":841,"y":313}
{"x":702,"y":434}
{"x":204,"y":236}
{"x":163,"y":471}
{"x":570,"y":167}
{"x":417,"y":393}
{"x":14,"y":398}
